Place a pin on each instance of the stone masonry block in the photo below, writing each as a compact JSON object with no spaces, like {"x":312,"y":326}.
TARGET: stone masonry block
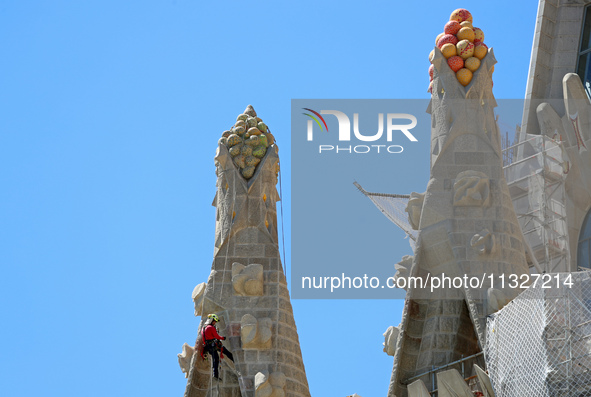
{"x":255,"y":368}
{"x":250,"y":356}
{"x":468,"y":158}
{"x":412,"y":345}
{"x":428,"y":342}
{"x":271,"y":276}
{"x":569,"y":28}
{"x":570,"y":13}
{"x":247,"y":236}
{"x":415,"y":328}
{"x":567,"y":43}
{"x":249,"y":250}
{"x":444,"y":342}
{"x":448,"y":324}
{"x":431,"y":325}
{"x":266,"y":356}
{"x":424,"y":360}
{"x":271,"y":251}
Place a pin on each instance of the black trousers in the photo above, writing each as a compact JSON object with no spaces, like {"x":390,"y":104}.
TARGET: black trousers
{"x":212,"y":349}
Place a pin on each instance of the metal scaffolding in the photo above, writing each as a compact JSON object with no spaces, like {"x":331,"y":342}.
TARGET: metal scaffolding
{"x":535,"y":171}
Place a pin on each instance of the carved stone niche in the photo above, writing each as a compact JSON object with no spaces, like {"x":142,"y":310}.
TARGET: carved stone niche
{"x":390,"y":339}
{"x":255,"y":334}
{"x":198,"y":294}
{"x":247,"y":280}
{"x":414,"y":209}
{"x":266,"y":385}
{"x":185,"y":359}
{"x":471,"y":189}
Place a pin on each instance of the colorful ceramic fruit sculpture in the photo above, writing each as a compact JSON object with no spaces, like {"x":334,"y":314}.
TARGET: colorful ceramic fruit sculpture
{"x":462,"y":45}
{"x":247,"y":141}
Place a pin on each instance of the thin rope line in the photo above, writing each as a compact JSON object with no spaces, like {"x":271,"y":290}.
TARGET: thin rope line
{"x":284,"y":267}
{"x":227,"y":242}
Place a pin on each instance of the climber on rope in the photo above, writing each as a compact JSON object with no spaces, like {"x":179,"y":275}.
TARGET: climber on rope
{"x":212,"y":343}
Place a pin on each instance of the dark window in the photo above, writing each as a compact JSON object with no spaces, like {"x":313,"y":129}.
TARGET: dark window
{"x":584,"y":62}
{"x":583,"y":257}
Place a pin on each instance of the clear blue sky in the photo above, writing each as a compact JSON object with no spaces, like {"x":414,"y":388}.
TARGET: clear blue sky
{"x":110,"y":112}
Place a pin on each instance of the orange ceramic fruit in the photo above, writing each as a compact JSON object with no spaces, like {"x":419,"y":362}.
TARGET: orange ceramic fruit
{"x":448,"y":38}
{"x":455,"y":63}
{"x":452,"y":27}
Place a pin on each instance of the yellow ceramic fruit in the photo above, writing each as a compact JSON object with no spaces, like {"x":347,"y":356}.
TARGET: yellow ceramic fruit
{"x":448,"y":50}
{"x":464,"y":76}
{"x":440,"y":35}
{"x":466,"y":34}
{"x":472,"y":64}
{"x":465,"y":49}
{"x":478,"y":35}
{"x":461,"y":15}
{"x":480,"y":50}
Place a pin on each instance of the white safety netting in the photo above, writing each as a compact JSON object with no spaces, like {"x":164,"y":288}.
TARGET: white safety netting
{"x":540,"y":343}
{"x":535,"y":170}
{"x":394,"y":207}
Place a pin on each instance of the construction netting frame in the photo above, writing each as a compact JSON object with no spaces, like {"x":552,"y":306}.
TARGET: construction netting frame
{"x":540,"y":343}
{"x":394,"y":207}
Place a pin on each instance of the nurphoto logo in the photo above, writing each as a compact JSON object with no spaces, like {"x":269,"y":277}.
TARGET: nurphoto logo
{"x":395,"y":124}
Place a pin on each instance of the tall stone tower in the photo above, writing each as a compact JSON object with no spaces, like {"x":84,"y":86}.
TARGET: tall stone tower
{"x":466,"y":226}
{"x":247,"y":288}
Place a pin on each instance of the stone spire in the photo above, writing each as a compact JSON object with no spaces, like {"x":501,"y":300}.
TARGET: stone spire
{"x":247,"y":288}
{"x":466,"y":226}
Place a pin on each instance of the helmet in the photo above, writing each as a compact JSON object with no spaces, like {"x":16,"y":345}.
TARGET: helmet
{"x":214,"y":317}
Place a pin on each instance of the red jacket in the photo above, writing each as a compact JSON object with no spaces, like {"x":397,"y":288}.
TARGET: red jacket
{"x":211,"y":333}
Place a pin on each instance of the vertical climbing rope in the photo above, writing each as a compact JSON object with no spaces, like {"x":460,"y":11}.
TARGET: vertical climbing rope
{"x":282,"y":221}
{"x":284,"y":268}
{"x":231,"y":213}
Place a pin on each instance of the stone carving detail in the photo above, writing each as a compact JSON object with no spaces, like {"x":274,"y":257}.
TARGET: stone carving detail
{"x":247,"y":280}
{"x":414,"y":208}
{"x":197,"y":295}
{"x":255,"y":334}
{"x":269,"y":385}
{"x":403,"y":269}
{"x":484,"y":242}
{"x":391,"y":337}
{"x":472,"y":188}
{"x":185,"y":359}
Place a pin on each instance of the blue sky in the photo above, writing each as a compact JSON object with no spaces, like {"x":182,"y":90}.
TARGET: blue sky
{"x":110,"y":116}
